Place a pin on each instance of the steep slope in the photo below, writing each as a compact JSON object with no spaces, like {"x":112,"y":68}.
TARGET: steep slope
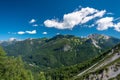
{"x":61,"y":50}
{"x":103,"y":41}
{"x":107,"y":68}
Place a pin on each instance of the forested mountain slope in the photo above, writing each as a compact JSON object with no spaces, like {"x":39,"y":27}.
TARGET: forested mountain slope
{"x":61,"y":50}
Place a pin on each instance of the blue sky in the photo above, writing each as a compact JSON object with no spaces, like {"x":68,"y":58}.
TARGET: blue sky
{"x":23,"y":19}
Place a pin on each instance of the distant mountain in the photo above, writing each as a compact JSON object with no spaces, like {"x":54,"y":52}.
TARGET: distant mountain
{"x":103,"y":41}
{"x":9,"y":42}
{"x":61,"y":50}
{"x":108,"y":68}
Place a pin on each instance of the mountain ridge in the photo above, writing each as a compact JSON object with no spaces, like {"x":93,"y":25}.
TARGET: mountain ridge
{"x":61,"y":50}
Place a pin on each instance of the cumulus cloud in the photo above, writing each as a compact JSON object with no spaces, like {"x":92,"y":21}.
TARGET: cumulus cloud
{"x":84,"y":15}
{"x":117,"y":27}
{"x":32,"y":21}
{"x":105,"y":23}
{"x":31,"y":32}
{"x":98,"y":14}
{"x":27,"y":32}
{"x":44,"y":33}
{"x":70,"y":20}
{"x":21,"y":32}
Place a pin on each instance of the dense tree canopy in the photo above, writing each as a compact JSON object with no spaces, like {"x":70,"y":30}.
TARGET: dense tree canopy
{"x":13,"y":68}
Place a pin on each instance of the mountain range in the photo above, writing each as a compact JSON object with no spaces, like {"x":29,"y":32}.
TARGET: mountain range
{"x":61,"y":50}
{"x":63,"y":57}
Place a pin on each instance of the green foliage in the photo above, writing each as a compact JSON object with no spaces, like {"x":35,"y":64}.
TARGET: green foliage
{"x":2,"y":53}
{"x":41,"y":76}
{"x":13,"y":68}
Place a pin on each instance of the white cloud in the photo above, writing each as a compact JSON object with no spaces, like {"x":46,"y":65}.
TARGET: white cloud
{"x":54,"y":23}
{"x":32,"y":21}
{"x":12,"y":39}
{"x":98,"y":14}
{"x":31,"y":32}
{"x":21,"y":32}
{"x":44,"y":33}
{"x":117,"y":27}
{"x":70,"y":20}
{"x":105,"y":23}
{"x":27,"y":32}
{"x":81,"y":16}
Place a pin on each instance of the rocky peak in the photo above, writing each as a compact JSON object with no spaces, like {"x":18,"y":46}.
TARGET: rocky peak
{"x":98,"y":36}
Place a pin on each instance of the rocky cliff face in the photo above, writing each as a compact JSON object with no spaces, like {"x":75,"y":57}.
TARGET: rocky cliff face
{"x":106,"y":69}
{"x":109,"y":71}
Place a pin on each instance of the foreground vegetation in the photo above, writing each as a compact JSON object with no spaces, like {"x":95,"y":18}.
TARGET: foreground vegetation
{"x":13,"y":68}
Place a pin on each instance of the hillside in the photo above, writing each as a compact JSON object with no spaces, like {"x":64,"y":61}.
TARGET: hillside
{"x":107,"y":68}
{"x":61,"y":50}
{"x":13,"y":68}
{"x":102,"y":67}
{"x":16,"y":67}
